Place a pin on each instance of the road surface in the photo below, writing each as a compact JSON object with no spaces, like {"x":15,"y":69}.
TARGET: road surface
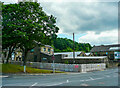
{"x":107,"y":77}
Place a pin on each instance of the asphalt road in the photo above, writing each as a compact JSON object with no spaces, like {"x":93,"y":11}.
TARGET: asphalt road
{"x":107,"y":77}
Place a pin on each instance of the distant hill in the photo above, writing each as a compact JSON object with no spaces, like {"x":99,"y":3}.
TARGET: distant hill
{"x":66,"y":45}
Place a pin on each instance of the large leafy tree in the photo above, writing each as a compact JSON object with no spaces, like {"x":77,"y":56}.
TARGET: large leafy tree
{"x":24,"y":25}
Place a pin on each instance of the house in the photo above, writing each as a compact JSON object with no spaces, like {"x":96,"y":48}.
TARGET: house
{"x":40,"y":54}
{"x":111,"y":51}
{"x":47,"y":49}
{"x":82,"y":54}
{"x":89,"y":54}
{"x":37,"y":54}
{"x":85,"y":54}
{"x":17,"y":55}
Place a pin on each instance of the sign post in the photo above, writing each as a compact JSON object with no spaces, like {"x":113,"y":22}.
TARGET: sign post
{"x":53,"y":58}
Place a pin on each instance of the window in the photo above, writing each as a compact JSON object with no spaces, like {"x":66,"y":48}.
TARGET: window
{"x":48,"y":50}
{"x":116,"y":55}
{"x":32,"y":50}
{"x":44,"y":49}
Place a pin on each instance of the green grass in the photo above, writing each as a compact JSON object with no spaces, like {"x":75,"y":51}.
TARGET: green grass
{"x":10,"y":68}
{"x":0,"y":67}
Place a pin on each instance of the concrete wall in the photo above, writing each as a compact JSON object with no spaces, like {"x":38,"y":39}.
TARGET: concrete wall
{"x":66,"y":67}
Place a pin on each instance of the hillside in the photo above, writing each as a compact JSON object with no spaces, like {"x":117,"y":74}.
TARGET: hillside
{"x":66,"y":45}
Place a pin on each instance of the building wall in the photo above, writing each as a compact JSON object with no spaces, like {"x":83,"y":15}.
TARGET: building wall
{"x":40,"y":55}
{"x":18,"y":56}
{"x":48,"y":50}
{"x":35,"y":54}
{"x":85,"y":61}
{"x":110,"y":54}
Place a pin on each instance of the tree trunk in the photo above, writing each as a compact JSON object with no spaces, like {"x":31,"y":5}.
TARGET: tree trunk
{"x":24,"y":60}
{"x":11,"y":49}
{"x":9,"y":55}
{"x":25,"y":57}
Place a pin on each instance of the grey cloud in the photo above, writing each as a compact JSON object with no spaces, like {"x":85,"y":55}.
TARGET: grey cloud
{"x":82,"y":16}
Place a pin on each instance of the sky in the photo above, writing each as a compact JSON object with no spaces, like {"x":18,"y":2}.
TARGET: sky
{"x":92,"y":21}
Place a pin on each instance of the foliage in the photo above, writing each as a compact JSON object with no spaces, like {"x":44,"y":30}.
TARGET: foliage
{"x":25,"y":25}
{"x":66,"y":62}
{"x":66,"y":45}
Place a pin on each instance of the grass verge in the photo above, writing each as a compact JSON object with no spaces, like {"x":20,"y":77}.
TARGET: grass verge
{"x":11,"y":68}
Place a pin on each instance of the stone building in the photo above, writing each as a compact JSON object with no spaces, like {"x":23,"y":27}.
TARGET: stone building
{"x":37,"y":54}
{"x":40,"y":54}
{"x":111,"y":51}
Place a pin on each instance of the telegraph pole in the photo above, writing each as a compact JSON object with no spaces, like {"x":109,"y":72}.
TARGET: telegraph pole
{"x":73,"y":49}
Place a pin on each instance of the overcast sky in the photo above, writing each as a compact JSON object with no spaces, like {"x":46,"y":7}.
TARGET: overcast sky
{"x":92,"y":22}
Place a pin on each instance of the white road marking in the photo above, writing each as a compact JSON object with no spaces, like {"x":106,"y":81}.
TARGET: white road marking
{"x":54,"y":84}
{"x":84,"y":84}
{"x":91,"y":78}
{"x":67,"y":81}
{"x":98,"y":78}
{"x":3,"y":76}
{"x":34,"y":84}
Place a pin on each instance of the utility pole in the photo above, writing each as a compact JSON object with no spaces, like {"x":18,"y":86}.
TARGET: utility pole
{"x":73,"y":49}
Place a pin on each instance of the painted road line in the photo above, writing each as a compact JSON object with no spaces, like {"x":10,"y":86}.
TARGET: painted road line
{"x":84,"y":84}
{"x":55,"y":84}
{"x":67,"y":81}
{"x":3,"y":76}
{"x":34,"y":84}
{"x":91,"y":78}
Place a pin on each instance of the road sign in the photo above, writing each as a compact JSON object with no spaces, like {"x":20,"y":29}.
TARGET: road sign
{"x":53,"y":58}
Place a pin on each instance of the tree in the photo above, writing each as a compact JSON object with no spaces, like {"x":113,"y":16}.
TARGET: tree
{"x":66,"y":45}
{"x":25,"y":24}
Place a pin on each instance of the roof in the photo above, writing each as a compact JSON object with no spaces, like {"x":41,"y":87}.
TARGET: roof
{"x":105,"y":48}
{"x":48,"y":46}
{"x":114,"y":48}
{"x":91,"y":57}
{"x":70,"y":54}
{"x":87,"y":53}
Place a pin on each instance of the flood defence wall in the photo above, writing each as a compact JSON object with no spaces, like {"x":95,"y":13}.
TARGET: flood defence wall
{"x":65,"y":67}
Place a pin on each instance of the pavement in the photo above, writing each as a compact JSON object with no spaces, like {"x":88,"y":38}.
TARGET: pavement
{"x":108,"y":77}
